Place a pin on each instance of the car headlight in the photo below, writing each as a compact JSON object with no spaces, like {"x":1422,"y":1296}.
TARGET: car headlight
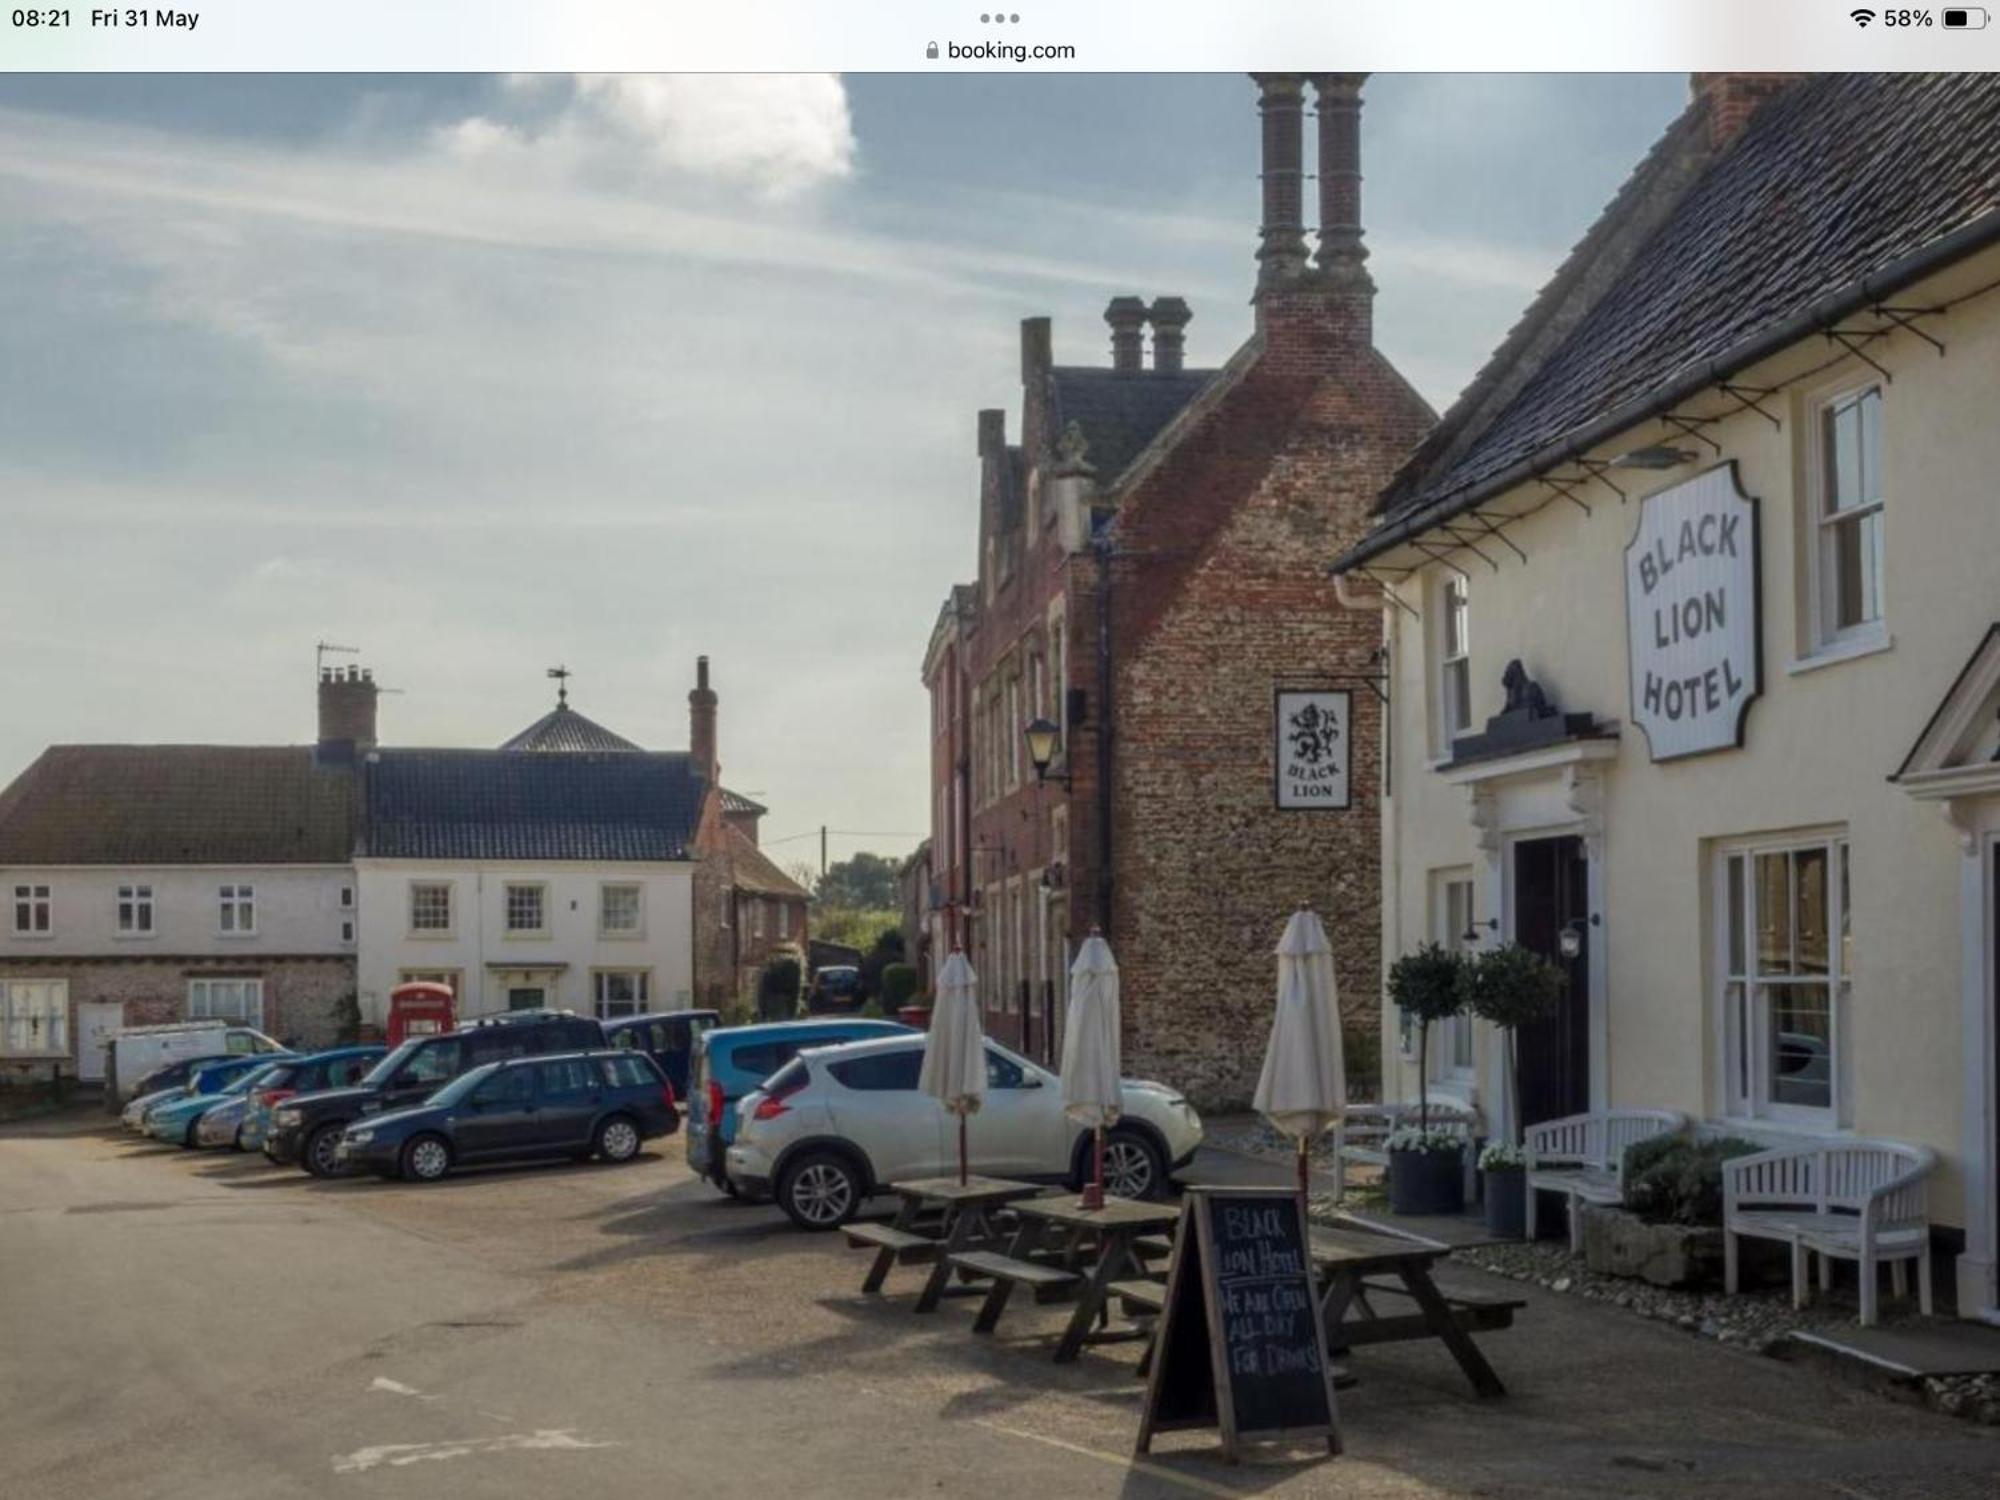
{"x":287,"y":1117}
{"x":360,"y":1137}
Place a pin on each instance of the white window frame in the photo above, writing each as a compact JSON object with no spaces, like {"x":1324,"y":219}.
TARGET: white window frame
{"x":132,"y":913}
{"x":450,"y":909}
{"x":643,"y":986}
{"x":1453,"y":698}
{"x":236,"y":909}
{"x":784,"y":921}
{"x":1824,"y":635}
{"x":638,"y":927}
{"x":210,"y":999}
{"x":511,"y":888}
{"x":756,"y":916}
{"x":34,"y":911}
{"x":34,"y":1017}
{"x":1454,"y":907}
{"x":1742,"y":1020}
{"x":451,"y":979}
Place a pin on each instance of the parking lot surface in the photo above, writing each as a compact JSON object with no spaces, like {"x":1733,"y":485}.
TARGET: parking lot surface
{"x":180,"y":1324}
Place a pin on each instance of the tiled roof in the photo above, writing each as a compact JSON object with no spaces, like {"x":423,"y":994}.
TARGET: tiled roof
{"x":178,"y":804}
{"x":1119,"y":413}
{"x":1838,"y":177}
{"x":492,"y":804}
{"x":736,"y":802}
{"x":751,"y":869}
{"x":564,"y":729}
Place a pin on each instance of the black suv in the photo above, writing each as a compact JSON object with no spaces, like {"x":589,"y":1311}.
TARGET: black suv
{"x":306,"y":1129}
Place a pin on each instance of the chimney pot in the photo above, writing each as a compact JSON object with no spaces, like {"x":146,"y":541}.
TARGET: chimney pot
{"x":347,"y":711}
{"x":1170,"y":317}
{"x":1037,"y":350}
{"x":702,"y":725}
{"x":1341,"y":252}
{"x":1281,"y":254}
{"x":992,"y":431}
{"x":1127,"y":317}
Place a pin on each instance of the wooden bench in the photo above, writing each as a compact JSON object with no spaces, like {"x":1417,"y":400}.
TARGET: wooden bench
{"x":1857,"y":1200}
{"x":1472,"y":1313}
{"x":1362,"y":1136}
{"x":893,"y":1246}
{"x":1048,"y":1283}
{"x":1582,"y":1157}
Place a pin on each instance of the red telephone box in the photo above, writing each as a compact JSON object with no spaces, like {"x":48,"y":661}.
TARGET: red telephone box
{"x":420,"y":1008}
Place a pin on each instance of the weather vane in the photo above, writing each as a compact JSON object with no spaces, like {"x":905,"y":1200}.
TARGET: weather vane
{"x":562,"y":676}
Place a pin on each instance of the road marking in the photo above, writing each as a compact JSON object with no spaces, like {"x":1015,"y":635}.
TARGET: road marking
{"x":397,"y":1455}
{"x":1120,"y":1460}
{"x":397,"y":1388}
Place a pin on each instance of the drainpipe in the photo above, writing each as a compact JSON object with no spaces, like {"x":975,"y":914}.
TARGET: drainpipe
{"x":1102,"y":547}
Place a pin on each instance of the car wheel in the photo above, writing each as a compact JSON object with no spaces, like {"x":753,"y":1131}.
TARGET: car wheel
{"x":820,"y":1191}
{"x":1133,"y":1167}
{"x":618,"y":1139}
{"x":426,"y":1158}
{"x":318,"y":1155}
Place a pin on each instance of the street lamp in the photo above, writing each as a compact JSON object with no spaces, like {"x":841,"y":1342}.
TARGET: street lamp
{"x":1042,"y":736}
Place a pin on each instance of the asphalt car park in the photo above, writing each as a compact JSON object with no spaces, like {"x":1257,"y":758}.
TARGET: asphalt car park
{"x":207,"y":1324}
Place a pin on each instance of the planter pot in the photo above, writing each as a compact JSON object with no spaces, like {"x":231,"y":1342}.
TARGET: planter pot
{"x":1506,"y":1202}
{"x":1426,"y":1182}
{"x":918,"y":1016}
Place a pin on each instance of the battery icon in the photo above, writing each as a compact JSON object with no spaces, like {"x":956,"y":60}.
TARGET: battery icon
{"x":1964,"y":18}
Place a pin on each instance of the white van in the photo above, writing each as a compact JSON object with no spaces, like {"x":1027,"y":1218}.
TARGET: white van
{"x":136,"y":1050}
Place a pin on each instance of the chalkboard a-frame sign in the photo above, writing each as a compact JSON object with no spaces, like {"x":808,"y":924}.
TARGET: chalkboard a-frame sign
{"x":1240,"y":1345}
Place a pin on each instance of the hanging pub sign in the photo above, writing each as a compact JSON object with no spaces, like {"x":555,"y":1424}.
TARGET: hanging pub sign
{"x":1693,"y":612}
{"x":1313,"y":748}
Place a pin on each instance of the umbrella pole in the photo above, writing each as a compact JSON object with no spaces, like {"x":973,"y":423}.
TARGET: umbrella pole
{"x":961,"y":1148}
{"x":1305,"y":1197}
{"x":1093,"y":1191}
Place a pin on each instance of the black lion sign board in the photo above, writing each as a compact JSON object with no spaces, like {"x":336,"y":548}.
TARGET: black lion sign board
{"x":1240,"y":1346}
{"x":1314,"y":753}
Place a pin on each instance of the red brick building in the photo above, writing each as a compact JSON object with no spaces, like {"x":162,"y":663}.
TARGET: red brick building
{"x":1150,"y":575}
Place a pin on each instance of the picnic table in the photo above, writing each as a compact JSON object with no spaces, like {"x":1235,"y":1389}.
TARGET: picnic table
{"x":1354,"y":1260}
{"x":1048,"y":1255}
{"x":968,"y":1223}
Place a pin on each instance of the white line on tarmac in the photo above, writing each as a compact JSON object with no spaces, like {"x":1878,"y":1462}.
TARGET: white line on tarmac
{"x":396,"y":1455}
{"x":1120,"y":1461}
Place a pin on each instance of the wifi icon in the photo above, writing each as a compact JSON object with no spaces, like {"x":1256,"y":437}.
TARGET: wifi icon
{"x":1862,"y":17}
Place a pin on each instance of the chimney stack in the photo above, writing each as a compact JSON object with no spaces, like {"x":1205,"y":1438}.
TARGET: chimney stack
{"x":1037,"y":350}
{"x":1127,"y":317}
{"x":701,"y":725}
{"x":1281,"y":254}
{"x":992,"y":431}
{"x":1732,"y":98}
{"x":1341,"y":253}
{"x":1170,"y":316}
{"x":346,"y":712}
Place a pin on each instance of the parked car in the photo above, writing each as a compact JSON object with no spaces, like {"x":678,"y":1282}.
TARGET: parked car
{"x":341,"y":1067}
{"x":731,"y":1061}
{"x":221,"y":1124}
{"x":206,"y":1075}
{"x":835,"y":990}
{"x":603,"y":1103}
{"x":174,"y":1075}
{"x":175,"y":1120}
{"x":134,"y":1114}
{"x":839,"y":1123}
{"x":668,"y":1037}
{"x":134,"y":1052}
{"x":306,"y":1128}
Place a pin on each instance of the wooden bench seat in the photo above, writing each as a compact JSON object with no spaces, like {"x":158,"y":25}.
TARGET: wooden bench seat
{"x":891,"y":1246}
{"x":1470,"y":1312}
{"x":1140,"y":1296}
{"x":1154,"y":1246}
{"x":1582,"y":1157}
{"x":1048,"y":1283}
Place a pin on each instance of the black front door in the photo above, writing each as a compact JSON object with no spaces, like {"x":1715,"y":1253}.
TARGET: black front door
{"x":1551,"y":885}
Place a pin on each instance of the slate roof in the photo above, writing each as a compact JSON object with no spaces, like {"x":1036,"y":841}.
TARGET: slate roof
{"x":736,"y":802}
{"x":1836,"y":178}
{"x":178,"y":804}
{"x":1120,"y":413}
{"x":751,"y":869}
{"x":564,"y":729}
{"x":494,"y":804}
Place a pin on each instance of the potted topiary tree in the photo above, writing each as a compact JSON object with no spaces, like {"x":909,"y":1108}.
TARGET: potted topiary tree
{"x":1510,"y":987}
{"x":899,"y":996}
{"x":1426,"y":1167}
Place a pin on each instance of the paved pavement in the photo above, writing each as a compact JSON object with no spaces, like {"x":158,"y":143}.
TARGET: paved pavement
{"x":180,"y":1325}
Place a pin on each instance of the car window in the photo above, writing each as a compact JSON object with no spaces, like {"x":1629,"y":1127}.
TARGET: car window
{"x":343,"y":1071}
{"x":435,"y":1062}
{"x":629,"y":1072}
{"x":675,"y":1036}
{"x":515,"y":1086}
{"x":880,"y":1070}
{"x":1003,"y":1072}
{"x":237,"y":1045}
{"x":566,"y":1077}
{"x":627,"y":1040}
{"x":762,"y":1059}
{"x":282,"y":1076}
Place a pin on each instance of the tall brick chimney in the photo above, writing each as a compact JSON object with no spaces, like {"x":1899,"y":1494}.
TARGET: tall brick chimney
{"x":1170,"y":317}
{"x":1312,"y":316}
{"x":1281,"y":252}
{"x":1341,"y":253}
{"x":1732,"y":98}
{"x":346,"y":712}
{"x":701,"y":725}
{"x":1127,"y":317}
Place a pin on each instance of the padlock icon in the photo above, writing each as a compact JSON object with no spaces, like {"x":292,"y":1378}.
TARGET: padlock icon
{"x":931,"y":52}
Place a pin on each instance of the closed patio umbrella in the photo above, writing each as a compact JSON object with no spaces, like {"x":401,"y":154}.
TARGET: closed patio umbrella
{"x":1090,"y":1063}
{"x":954,"y":1071}
{"x":1303,"y":1088}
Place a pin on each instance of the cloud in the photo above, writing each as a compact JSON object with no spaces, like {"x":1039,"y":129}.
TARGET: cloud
{"x":775,"y":134}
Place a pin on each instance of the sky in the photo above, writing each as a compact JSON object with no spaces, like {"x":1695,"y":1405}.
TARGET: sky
{"x":482,"y":375}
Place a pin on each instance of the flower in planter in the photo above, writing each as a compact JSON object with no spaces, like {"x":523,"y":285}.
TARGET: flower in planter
{"x":1501,"y":1156}
{"x":1414,"y":1138}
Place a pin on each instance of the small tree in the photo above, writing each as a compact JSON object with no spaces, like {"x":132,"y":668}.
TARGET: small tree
{"x":1428,"y":985}
{"x":1511,"y":987}
{"x":778,"y":989}
{"x":899,"y":986}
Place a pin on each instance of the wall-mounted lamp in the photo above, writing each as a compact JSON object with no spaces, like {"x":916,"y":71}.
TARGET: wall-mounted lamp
{"x":1042,"y":737}
{"x":1471,"y":933}
{"x":1569,"y":941}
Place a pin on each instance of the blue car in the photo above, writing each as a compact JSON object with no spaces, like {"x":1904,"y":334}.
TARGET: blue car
{"x":175,"y":1121}
{"x":335,"y":1069}
{"x":733,"y":1060}
{"x":667,"y":1036}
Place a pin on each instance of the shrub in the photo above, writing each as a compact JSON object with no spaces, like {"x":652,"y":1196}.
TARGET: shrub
{"x":778,"y":989}
{"x":736,"y":1013}
{"x":1511,"y":987}
{"x":1413,"y":1138}
{"x":899,"y":985}
{"x":1427,"y":982}
{"x":1361,"y":1050}
{"x":1673,"y":1180}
